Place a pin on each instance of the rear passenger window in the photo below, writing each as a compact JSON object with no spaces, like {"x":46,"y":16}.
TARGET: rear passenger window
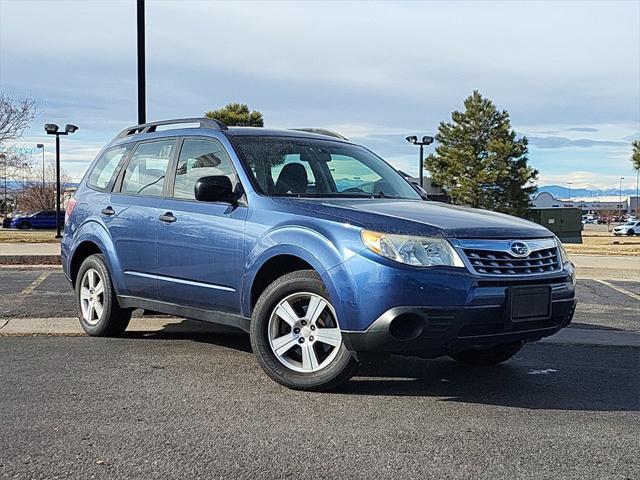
{"x":147,"y":168}
{"x":201,"y":158}
{"x":106,"y":166}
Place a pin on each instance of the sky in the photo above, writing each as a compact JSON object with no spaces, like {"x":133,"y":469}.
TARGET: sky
{"x":567,"y":72}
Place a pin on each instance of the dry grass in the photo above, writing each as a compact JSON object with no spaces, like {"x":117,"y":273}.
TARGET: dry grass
{"x":27,"y":236}
{"x":605,"y":244}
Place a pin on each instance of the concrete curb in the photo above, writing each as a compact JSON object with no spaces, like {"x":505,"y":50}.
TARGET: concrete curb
{"x":177,"y":326}
{"x":29,"y":259}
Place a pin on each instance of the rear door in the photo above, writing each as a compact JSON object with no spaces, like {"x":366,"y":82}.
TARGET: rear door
{"x":132,"y":214}
{"x":200,"y":251}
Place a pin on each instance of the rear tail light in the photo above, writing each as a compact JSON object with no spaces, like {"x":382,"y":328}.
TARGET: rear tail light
{"x":71,"y":204}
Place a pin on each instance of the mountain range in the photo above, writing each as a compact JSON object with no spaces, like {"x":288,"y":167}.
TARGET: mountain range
{"x":563,"y":192}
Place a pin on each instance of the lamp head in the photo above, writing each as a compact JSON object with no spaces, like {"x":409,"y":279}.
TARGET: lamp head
{"x":412,"y":139}
{"x":51,"y":128}
{"x":70,"y":128}
{"x":40,"y":145}
{"x":427,"y":140}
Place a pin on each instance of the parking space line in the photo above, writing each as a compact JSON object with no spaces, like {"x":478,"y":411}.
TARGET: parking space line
{"x":43,"y":276}
{"x":618,"y":289}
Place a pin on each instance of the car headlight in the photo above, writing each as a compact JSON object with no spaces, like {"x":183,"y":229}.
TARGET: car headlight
{"x":412,"y":250}
{"x":563,"y":253}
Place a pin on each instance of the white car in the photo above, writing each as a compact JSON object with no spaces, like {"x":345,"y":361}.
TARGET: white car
{"x":629,"y":228}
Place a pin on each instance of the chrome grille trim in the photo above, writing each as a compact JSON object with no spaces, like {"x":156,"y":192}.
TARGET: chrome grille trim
{"x":495,"y":258}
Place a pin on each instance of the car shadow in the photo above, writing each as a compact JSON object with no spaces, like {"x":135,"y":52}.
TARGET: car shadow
{"x":542,"y":376}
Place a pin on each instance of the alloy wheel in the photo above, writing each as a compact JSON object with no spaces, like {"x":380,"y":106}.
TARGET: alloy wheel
{"x":304,"y":333}
{"x":92,"y":296}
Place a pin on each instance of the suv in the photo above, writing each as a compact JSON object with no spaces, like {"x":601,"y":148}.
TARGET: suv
{"x":316,"y":246}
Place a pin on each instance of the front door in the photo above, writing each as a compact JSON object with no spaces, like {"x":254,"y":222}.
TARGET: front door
{"x":200,"y":245}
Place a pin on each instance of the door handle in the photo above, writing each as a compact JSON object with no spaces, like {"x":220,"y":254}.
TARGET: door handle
{"x":168,"y":217}
{"x":108,"y":211}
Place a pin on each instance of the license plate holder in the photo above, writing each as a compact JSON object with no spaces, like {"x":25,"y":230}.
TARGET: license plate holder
{"x":532,"y":302}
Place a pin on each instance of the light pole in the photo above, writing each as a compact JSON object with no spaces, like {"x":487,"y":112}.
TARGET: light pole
{"x":620,"y":198}
{"x":4,"y":205}
{"x":426,"y":140}
{"x":40,"y":145}
{"x":142,"y":89}
{"x":52,"y":129}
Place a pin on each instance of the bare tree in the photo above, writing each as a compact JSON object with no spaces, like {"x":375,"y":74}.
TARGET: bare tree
{"x":34,"y":196}
{"x":15,"y":117}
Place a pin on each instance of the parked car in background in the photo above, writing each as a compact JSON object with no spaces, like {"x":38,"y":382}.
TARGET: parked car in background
{"x":43,"y":219}
{"x":629,"y":228}
{"x":314,"y":245}
{"x":6,"y":221}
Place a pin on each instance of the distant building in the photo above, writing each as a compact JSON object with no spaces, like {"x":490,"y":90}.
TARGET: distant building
{"x":586,"y":204}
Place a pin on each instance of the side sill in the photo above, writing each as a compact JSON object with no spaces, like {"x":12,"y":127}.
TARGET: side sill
{"x":222,"y":318}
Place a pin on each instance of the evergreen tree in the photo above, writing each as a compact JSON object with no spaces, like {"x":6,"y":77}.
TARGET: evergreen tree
{"x":479,"y":161}
{"x":237,"y":114}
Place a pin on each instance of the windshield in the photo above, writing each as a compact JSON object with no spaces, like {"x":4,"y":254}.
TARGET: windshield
{"x":298,"y":167}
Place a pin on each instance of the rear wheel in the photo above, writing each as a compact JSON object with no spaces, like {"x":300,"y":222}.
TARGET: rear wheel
{"x":296,"y":336}
{"x":98,"y":309}
{"x":488,"y":356}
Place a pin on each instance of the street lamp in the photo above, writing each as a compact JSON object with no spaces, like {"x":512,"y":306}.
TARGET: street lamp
{"x":426,"y":140}
{"x":40,"y":145}
{"x":4,"y":205}
{"x":53,"y":129}
{"x":620,"y":198}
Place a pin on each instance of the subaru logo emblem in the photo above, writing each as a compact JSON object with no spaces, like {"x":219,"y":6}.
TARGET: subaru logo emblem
{"x":519,"y":249}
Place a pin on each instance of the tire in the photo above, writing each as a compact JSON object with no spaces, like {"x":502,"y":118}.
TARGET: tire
{"x":24,"y":225}
{"x":94,"y":288}
{"x":294,"y":367}
{"x":631,"y":233}
{"x":488,"y":356}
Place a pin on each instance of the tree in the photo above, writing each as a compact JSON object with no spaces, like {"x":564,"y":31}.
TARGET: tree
{"x":479,"y":161}
{"x":237,"y":114}
{"x":15,"y":117}
{"x":34,"y":196}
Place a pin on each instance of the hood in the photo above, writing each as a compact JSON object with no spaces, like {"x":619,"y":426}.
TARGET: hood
{"x":418,"y":217}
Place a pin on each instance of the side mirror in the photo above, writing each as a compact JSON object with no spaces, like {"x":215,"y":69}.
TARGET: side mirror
{"x":216,"y":188}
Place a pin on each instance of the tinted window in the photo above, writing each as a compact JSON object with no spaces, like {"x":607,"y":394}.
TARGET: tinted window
{"x":309,"y":167}
{"x":201,"y":158}
{"x":106,"y":167}
{"x":147,"y":168}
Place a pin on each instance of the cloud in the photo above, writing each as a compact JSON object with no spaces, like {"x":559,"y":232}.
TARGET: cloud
{"x":582,"y":129}
{"x":564,"y":142}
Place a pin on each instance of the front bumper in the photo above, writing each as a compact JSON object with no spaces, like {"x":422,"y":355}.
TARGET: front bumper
{"x":433,"y":332}
{"x":434,"y":313}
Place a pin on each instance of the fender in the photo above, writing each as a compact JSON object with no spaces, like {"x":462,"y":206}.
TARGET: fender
{"x":95,"y":232}
{"x":318,"y":251}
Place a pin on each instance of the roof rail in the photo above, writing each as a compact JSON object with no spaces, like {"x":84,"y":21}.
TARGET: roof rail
{"x":151,"y":126}
{"x":321,"y":131}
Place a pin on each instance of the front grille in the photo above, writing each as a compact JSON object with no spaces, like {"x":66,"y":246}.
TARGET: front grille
{"x":490,"y":262}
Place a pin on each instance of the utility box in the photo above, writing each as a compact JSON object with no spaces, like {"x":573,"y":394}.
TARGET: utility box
{"x":566,"y":223}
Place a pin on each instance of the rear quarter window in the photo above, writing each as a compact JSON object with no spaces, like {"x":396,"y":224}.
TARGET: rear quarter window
{"x":106,"y":167}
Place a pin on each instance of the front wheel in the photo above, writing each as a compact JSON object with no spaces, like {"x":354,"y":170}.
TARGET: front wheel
{"x":24,"y":225}
{"x":296,"y":336}
{"x":488,"y":356}
{"x":631,"y":232}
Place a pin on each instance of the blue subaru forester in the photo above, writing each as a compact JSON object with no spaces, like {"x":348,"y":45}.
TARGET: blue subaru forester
{"x":314,"y":245}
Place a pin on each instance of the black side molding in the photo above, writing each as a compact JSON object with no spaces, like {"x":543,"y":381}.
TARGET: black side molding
{"x":221,"y":318}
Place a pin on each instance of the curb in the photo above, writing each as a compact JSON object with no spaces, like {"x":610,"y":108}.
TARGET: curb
{"x":29,"y":259}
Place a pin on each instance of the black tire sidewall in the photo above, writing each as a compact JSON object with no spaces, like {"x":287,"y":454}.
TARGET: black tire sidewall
{"x":342,"y":367}
{"x":114,"y":319}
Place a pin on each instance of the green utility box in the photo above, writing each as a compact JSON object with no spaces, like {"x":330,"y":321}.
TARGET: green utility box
{"x":566,"y":223}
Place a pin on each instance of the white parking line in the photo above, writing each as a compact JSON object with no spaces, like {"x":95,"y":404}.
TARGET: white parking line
{"x":618,"y":289}
{"x":43,"y":276}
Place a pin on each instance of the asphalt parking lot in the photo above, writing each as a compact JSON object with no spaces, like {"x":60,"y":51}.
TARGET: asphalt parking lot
{"x":159,"y":405}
